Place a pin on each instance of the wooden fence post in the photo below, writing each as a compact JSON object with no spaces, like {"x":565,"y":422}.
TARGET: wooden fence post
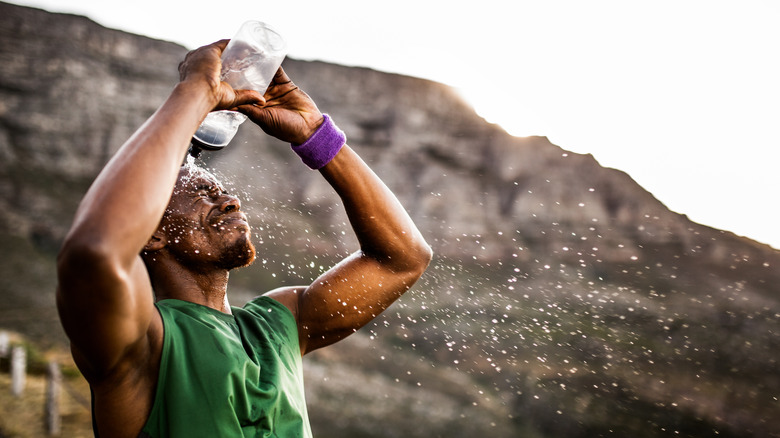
{"x":4,"y":342}
{"x":53,"y":389}
{"x":18,"y":370}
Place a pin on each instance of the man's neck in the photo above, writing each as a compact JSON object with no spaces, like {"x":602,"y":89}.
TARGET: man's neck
{"x":208,"y":289}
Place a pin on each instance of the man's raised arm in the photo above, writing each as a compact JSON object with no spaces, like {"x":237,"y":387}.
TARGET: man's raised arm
{"x":104,"y":293}
{"x":393,"y":254}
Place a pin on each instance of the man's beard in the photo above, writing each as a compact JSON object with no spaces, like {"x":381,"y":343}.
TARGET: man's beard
{"x":240,"y":254}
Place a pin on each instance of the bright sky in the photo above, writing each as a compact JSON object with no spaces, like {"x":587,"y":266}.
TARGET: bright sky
{"x":683,"y":95}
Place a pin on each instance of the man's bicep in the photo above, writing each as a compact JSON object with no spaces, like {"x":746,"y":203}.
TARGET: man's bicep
{"x":105,"y":312}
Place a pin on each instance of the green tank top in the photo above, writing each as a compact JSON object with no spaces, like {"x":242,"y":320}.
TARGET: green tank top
{"x":225,"y":375}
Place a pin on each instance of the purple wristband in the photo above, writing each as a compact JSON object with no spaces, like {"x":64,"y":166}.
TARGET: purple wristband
{"x":322,"y":146}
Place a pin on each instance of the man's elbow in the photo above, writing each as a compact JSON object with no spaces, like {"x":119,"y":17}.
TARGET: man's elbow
{"x":426,"y":253}
{"x":420,"y":256}
{"x":410,"y":259}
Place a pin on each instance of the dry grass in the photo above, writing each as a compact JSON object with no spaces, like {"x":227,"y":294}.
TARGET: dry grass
{"x":24,"y":416}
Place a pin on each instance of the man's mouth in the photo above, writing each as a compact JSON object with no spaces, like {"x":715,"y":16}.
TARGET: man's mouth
{"x":236,"y":220}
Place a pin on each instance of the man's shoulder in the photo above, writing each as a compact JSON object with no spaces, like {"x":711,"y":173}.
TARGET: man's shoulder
{"x":287,"y":297}
{"x":265,"y":302}
{"x":269,"y":310}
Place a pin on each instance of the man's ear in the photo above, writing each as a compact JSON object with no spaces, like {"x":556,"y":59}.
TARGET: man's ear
{"x":157,"y":242}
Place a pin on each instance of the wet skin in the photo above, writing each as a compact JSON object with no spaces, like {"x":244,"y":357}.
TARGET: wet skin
{"x":204,"y":225}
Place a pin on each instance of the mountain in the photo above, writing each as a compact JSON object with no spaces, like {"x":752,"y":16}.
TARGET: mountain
{"x":564,"y":299}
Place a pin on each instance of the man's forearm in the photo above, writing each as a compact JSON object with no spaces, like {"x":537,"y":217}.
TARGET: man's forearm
{"x":392,"y":257}
{"x":383,"y":228}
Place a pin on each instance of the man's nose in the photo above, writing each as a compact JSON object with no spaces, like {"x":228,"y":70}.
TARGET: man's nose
{"x":230,"y":203}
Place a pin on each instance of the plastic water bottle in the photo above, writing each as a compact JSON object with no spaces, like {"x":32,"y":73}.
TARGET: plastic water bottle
{"x":249,"y":62}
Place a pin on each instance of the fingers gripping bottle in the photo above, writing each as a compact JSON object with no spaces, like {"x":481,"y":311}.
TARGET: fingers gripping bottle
{"x":249,"y":62}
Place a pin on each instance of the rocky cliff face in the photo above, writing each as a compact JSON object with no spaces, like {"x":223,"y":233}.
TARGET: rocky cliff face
{"x":72,"y":92}
{"x":565,"y":299}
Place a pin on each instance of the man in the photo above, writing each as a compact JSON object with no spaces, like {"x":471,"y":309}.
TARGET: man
{"x":143,"y":273}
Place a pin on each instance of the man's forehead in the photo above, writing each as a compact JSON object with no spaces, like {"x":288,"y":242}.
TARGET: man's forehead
{"x":194,"y":177}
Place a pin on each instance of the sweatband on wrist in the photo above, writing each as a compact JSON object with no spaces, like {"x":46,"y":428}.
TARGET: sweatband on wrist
{"x":322,"y":146}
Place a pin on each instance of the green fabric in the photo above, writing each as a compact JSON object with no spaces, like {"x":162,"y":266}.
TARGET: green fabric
{"x":225,"y":375}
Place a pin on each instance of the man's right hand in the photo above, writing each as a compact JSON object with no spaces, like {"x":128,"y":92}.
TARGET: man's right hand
{"x":204,"y":66}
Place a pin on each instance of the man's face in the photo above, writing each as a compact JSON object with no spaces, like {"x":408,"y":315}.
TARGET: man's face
{"x":203,"y":224}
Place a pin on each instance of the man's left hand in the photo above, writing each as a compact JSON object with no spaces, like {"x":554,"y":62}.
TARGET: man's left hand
{"x":288,"y":114}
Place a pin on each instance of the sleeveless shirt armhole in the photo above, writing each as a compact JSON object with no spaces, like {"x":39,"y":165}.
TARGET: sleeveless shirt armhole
{"x":271,"y":305}
{"x":141,"y":434}
{"x":272,"y":302}
{"x":161,"y":374}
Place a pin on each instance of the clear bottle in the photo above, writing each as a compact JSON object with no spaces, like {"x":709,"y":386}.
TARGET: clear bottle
{"x":249,"y":62}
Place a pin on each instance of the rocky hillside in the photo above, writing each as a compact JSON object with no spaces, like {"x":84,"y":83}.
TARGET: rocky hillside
{"x":565,"y":300}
